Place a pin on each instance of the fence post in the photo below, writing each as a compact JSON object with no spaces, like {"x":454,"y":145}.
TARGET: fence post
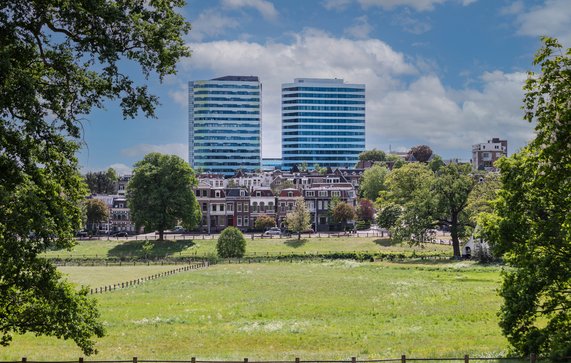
{"x":466,"y":359}
{"x":403,"y":358}
{"x":80,"y":359}
{"x":134,"y":359}
{"x":296,"y":360}
{"x":24,"y":359}
{"x":353,"y":359}
{"x":193,"y":360}
{"x":532,"y":358}
{"x":245,"y":360}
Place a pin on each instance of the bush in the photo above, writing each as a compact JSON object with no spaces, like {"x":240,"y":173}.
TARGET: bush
{"x":231,"y":243}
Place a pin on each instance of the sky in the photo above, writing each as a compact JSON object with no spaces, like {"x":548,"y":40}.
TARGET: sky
{"x":445,"y":73}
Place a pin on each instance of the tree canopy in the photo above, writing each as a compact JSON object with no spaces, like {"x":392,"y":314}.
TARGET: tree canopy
{"x":96,"y":212}
{"x":420,"y":153}
{"x":530,"y":226}
{"x":264,"y":222}
{"x":372,"y":155}
{"x":59,"y":60}
{"x":373,"y":181}
{"x":231,"y":243}
{"x":365,"y":210}
{"x":160,"y":193}
{"x":100,"y":182}
{"x":342,"y":213}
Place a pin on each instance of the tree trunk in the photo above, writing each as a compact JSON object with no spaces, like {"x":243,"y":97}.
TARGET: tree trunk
{"x":161,"y":234}
{"x":454,"y":235}
{"x":299,"y":235}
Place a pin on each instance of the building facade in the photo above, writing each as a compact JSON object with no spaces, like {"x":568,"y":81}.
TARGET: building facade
{"x":485,"y":154}
{"x":224,"y":124}
{"x":323,"y":122}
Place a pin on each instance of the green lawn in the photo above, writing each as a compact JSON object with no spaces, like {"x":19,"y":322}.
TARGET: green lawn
{"x":255,"y":247}
{"x":278,"y":311}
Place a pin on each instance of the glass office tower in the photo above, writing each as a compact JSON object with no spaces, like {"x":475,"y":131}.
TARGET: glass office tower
{"x":323,"y":122}
{"x":224,"y":124}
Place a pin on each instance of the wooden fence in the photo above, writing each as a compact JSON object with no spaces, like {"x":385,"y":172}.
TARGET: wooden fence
{"x":403,"y":359}
{"x":122,"y":285}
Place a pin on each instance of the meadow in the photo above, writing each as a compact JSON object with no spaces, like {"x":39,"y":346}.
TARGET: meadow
{"x":279,"y":311}
{"x":255,"y":247}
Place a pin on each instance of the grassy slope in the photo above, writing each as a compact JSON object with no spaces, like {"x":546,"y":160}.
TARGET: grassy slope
{"x":256,"y":247}
{"x":280,"y":311}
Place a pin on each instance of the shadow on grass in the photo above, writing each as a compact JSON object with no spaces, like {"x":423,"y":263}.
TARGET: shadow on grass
{"x":386,"y":242}
{"x":159,"y":248}
{"x":295,"y":243}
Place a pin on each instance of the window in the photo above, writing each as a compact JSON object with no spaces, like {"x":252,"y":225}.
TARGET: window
{"x":310,"y":193}
{"x":255,"y":207}
{"x":246,"y":222}
{"x":217,"y":194}
{"x":290,"y":206}
{"x":335,"y":193}
{"x":290,"y":194}
{"x":222,"y":207}
{"x":245,"y":207}
{"x":282,"y":207}
{"x":197,"y":193}
{"x":262,"y":207}
{"x":258,"y":194}
{"x":323,"y":193}
{"x":242,"y":193}
{"x":204,"y":207}
{"x":230,"y":207}
{"x":214,"y":207}
{"x":239,"y":223}
{"x":239,"y":206}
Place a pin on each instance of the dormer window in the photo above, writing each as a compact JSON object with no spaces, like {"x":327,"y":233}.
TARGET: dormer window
{"x":290,"y":194}
{"x":217,"y":194}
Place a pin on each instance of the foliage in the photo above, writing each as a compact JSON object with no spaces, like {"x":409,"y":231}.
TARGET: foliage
{"x":59,"y":60}
{"x":421,"y":153}
{"x":530,"y":226}
{"x":264,"y":222}
{"x":484,"y":192}
{"x":160,"y":193}
{"x":299,"y":219}
{"x":362,"y":225}
{"x":102,"y":182}
{"x":436,"y":163}
{"x":373,"y":181}
{"x":320,"y":169}
{"x":372,"y":155}
{"x":342,"y":213}
{"x":395,"y":160}
{"x":97,"y":212}
{"x":388,"y":215}
{"x":365,"y":210}
{"x":285,"y":184}
{"x":428,"y":200}
{"x":231,"y":243}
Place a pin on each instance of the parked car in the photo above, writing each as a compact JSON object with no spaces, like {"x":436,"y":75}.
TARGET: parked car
{"x":120,"y":234}
{"x":274,"y":231}
{"x":81,"y":234}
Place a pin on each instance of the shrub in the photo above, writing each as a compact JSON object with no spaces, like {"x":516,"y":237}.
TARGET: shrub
{"x":231,"y":243}
{"x":361,"y":225}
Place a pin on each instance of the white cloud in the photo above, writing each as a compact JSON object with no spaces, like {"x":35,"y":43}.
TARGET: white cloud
{"x":140,"y":150}
{"x":514,"y":8}
{"x":180,"y":95}
{"x":553,"y":19}
{"x":406,"y":103}
{"x":265,"y":8}
{"x":361,"y":29}
{"x":121,"y":169}
{"x":338,"y":5}
{"x":211,"y":22}
{"x":411,"y":24}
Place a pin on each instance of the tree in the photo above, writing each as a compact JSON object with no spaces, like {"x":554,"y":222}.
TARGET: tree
{"x":299,"y":219}
{"x":342,"y":213}
{"x":231,"y":243}
{"x":436,"y":163}
{"x":372,"y":155}
{"x":388,"y":216}
{"x":320,"y":169}
{"x":530,"y":226}
{"x":428,"y":200}
{"x":264,"y":222}
{"x":60,"y":59}
{"x":394,"y":160}
{"x":160,"y":193}
{"x":373,"y":182}
{"x":365,"y":210}
{"x":97,"y":212}
{"x":285,"y":184}
{"x":102,"y":182}
{"x":421,"y":153}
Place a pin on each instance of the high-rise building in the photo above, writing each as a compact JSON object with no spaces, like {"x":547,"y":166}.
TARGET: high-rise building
{"x":323,"y":122}
{"x":485,"y":154}
{"x":224,"y":124}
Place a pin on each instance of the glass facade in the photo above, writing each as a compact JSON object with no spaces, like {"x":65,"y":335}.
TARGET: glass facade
{"x":224,"y":124}
{"x":323,"y":122}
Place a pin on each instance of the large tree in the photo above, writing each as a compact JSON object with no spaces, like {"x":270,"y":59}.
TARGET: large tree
{"x":160,"y":193}
{"x":58,"y":60}
{"x":421,"y":153}
{"x":96,"y":212}
{"x":372,"y":155}
{"x":373,"y":181}
{"x":342,"y":213}
{"x":264,"y":222}
{"x":428,"y":200}
{"x":531,"y":222}
{"x":102,"y":182}
{"x":365,"y":210}
{"x":299,"y":219}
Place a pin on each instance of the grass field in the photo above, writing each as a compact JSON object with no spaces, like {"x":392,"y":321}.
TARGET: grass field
{"x":256,"y":247}
{"x":280,"y":311}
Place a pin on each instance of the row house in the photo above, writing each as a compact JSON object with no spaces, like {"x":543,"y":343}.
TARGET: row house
{"x":238,"y":208}
{"x":212,"y":202}
{"x":120,"y":216}
{"x":286,"y":202}
{"x":262,"y":201}
{"x":318,"y":200}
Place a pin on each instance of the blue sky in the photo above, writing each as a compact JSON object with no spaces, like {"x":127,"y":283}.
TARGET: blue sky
{"x":446,"y":73}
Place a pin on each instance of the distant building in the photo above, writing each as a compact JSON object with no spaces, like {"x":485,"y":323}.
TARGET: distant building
{"x":323,"y":122}
{"x":269,"y":164}
{"x":484,"y":155}
{"x":224,"y":124}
